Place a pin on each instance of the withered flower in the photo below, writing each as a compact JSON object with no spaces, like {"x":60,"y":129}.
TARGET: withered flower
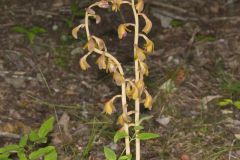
{"x":83,"y":63}
{"x":116,"y":4}
{"x":149,"y":46}
{"x":148,"y":101}
{"x":135,"y":92}
{"x":109,"y":107}
{"x":111,"y":66}
{"x":140,"y":6}
{"x":100,"y":43}
{"x":140,"y":86}
{"x":103,"y":4}
{"x":144,"y":68}
{"x":90,"y":45}
{"x":140,"y":55}
{"x":90,"y":11}
{"x":148,"y":25}
{"x":76,"y":29}
{"x":101,"y":61}
{"x":119,"y":79}
{"x":129,"y":90}
{"x":122,"y":119}
{"x":122,"y":31}
{"x":98,"y":19}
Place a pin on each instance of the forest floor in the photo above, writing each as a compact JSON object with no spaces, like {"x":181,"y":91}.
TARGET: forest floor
{"x":194,"y":66}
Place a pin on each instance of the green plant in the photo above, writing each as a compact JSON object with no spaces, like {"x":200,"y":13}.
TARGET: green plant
{"x":134,"y":89}
{"x":29,"y":148}
{"x":226,"y":102}
{"x":29,"y":32}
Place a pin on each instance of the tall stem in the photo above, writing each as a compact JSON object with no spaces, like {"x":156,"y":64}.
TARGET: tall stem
{"x":124,"y":99}
{"x":137,"y":77}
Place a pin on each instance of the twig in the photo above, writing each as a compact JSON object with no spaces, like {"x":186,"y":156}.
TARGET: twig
{"x":9,"y":135}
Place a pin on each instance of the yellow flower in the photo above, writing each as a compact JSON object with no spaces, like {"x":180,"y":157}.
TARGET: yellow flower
{"x":129,"y":90}
{"x":109,"y":107}
{"x":140,"y":6}
{"x":140,"y":86}
{"x":144,"y":68}
{"x":119,"y":79}
{"x":122,"y":31}
{"x":116,"y":4}
{"x":101,"y":61}
{"x":148,"y":101}
{"x":123,"y":119}
{"x":76,"y":29}
{"x":149,"y":46}
{"x":83,"y":63}
{"x":148,"y":25}
{"x":140,"y":55}
{"x":135,"y":92}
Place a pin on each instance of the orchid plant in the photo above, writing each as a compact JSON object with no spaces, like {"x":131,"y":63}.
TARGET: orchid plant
{"x":131,"y":89}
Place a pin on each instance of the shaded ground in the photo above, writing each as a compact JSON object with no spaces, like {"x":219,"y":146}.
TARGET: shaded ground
{"x":197,"y":47}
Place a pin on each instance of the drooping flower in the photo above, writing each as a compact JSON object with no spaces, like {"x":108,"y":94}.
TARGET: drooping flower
{"x":90,"y":45}
{"x":122,"y":31}
{"x":83,"y":63}
{"x":100,"y":43}
{"x":101,"y":61}
{"x":148,"y":26}
{"x":140,"y":86}
{"x":103,"y":4}
{"x":76,"y":29}
{"x":144,"y":68}
{"x":140,"y":6}
{"x":148,"y":101}
{"x":122,"y":119}
{"x":109,"y":107}
{"x":140,"y":55}
{"x":111,"y":66}
{"x":149,"y":46}
{"x":119,"y":79}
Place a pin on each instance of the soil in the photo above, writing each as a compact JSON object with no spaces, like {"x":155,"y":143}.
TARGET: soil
{"x":194,"y":66}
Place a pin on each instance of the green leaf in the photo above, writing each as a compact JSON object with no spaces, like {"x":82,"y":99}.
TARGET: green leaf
{"x":46,"y":127}
{"x":225,"y":102}
{"x":138,"y":128}
{"x":176,"y":23}
{"x":41,"y":152}
{"x":37,"y":30}
{"x":119,"y":135}
{"x":31,"y":36}
{"x":33,"y":136}
{"x":237,"y":104}
{"x":21,"y":156}
{"x":146,"y":136}
{"x":10,"y":148}
{"x":4,"y":156}
{"x":127,"y":157}
{"x":109,"y":154}
{"x":19,"y":29}
{"x":23,"y":141}
{"x":51,"y":155}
